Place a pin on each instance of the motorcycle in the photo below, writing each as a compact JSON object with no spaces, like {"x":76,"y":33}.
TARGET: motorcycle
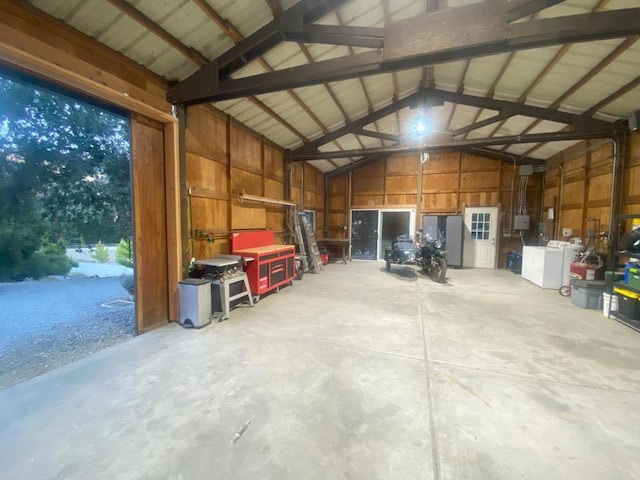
{"x":428,"y":255}
{"x":432,"y":259}
{"x":402,"y":252}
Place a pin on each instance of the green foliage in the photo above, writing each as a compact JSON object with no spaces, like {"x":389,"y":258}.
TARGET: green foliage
{"x":72,"y":158}
{"x":124,"y":255}
{"x":52,"y":259}
{"x":21,"y":228}
{"x":128,"y":282}
{"x":101,"y":253}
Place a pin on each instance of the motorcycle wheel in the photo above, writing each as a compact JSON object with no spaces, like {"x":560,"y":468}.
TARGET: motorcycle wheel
{"x":388,"y":267}
{"x":438,"y":269}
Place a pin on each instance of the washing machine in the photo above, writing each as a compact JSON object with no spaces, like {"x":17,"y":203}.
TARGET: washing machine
{"x":548,"y":266}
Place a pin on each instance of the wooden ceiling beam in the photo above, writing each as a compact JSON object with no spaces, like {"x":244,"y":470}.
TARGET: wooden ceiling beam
{"x":270,"y":35}
{"x":579,"y":123}
{"x":523,"y":8}
{"x":381,"y":135}
{"x":235,"y":35}
{"x":394,"y":75}
{"x":492,"y":89}
{"x":402,"y":54}
{"x":362,"y":85}
{"x":444,"y":143}
{"x":502,"y":116}
{"x":329,"y":34}
{"x":276,"y":9}
{"x":460,"y":89}
{"x":410,"y":100}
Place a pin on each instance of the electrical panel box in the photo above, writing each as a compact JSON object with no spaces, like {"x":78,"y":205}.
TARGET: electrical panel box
{"x":521,"y":222}
{"x":526,"y":170}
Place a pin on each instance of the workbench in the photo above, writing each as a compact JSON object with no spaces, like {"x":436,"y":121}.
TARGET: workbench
{"x":268,"y":266}
{"x":344,"y":243}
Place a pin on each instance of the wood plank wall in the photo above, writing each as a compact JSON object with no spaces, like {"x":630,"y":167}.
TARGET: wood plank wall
{"x":578,"y":188}
{"x":150,"y":223}
{"x":450,"y":181}
{"x":224,"y":158}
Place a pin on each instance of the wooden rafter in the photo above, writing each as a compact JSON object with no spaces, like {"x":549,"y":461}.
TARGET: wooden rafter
{"x":193,"y":55}
{"x":361,"y":80}
{"x":632,"y":85}
{"x":523,"y":8}
{"x":619,"y":50}
{"x":536,"y":81}
{"x":597,"y":8}
{"x":427,"y":79}
{"x":431,"y":95}
{"x":460,"y":89}
{"x":394,"y":75}
{"x":401,"y":54}
{"x":276,"y":9}
{"x":234,"y":34}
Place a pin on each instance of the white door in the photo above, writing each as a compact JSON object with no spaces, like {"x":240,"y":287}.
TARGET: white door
{"x":480,"y":237}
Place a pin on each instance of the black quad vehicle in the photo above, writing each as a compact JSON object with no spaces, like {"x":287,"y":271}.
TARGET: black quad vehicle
{"x":427,"y":255}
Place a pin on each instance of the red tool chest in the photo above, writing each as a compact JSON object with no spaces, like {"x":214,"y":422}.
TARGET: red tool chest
{"x":272,"y":265}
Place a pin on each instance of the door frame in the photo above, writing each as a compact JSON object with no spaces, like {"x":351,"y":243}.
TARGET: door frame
{"x":498,"y":226}
{"x":380,"y":209}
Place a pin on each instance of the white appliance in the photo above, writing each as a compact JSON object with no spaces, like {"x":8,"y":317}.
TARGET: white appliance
{"x":548,"y":267}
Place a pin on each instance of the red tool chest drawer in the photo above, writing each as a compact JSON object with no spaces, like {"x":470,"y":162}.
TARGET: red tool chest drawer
{"x":272,"y":265}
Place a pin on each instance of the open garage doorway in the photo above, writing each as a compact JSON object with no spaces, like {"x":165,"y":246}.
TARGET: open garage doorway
{"x":66,"y":229}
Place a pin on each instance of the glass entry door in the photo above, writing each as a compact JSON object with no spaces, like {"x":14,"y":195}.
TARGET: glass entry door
{"x":373,"y":230}
{"x":394,"y":224}
{"x":364,"y":234}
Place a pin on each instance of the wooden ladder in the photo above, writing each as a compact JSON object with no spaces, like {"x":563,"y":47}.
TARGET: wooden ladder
{"x":300,"y":241}
{"x":309,"y":241}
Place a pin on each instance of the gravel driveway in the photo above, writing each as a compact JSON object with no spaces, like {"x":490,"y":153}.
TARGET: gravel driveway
{"x":47,"y":324}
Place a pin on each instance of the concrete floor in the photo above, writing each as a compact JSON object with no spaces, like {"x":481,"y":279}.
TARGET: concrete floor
{"x":350,"y":374}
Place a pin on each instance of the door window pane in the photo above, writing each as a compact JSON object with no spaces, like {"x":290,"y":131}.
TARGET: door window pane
{"x":480,"y":226}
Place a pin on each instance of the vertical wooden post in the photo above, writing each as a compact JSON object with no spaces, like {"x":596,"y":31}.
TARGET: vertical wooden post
{"x":263,"y":166}
{"x":181,"y":111}
{"x":585,"y":191}
{"x":175,"y":241}
{"x":500,"y":196}
{"x":419,"y":189}
{"x":229,"y":188}
{"x":459,"y":206}
{"x":384,"y":182}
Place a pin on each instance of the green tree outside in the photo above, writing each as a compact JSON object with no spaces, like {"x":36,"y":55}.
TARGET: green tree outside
{"x":101,"y":254}
{"x":124,"y":254}
{"x":64,"y":175}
